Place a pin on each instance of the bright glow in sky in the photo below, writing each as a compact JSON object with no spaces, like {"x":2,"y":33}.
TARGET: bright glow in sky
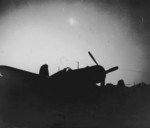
{"x":61,"y":34}
{"x":72,"y":21}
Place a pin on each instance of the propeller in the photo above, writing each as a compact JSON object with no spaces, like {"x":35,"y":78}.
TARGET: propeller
{"x":112,"y":69}
{"x":109,"y":70}
{"x":92,"y":58}
{"x":103,"y":72}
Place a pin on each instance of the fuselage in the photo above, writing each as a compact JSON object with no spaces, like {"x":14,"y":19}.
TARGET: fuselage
{"x":92,"y":74}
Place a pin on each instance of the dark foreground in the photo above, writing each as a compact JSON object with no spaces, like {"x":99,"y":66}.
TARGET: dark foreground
{"x":70,"y":107}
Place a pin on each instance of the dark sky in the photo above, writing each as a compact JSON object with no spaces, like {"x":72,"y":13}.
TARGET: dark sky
{"x":137,"y":10}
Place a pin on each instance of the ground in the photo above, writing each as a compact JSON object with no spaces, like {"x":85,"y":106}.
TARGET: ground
{"x":113,"y":106}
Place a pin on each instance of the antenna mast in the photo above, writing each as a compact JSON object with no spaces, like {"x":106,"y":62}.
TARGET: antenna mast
{"x":58,"y":68}
{"x":77,"y":64}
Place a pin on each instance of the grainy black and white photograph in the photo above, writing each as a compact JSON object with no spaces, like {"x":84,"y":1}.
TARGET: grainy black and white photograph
{"x":74,"y":64}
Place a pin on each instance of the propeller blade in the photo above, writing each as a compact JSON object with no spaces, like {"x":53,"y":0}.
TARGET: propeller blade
{"x":112,"y":69}
{"x":93,"y":58}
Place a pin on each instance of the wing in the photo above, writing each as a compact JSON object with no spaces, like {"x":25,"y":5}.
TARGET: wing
{"x":14,"y":76}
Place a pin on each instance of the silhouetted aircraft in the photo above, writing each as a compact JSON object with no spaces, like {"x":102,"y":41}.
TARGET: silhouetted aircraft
{"x":88,"y":75}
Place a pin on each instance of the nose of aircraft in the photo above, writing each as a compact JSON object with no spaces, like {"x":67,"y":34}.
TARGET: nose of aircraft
{"x":98,"y":73}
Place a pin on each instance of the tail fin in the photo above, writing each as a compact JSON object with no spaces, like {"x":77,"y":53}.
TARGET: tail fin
{"x":44,"y":70}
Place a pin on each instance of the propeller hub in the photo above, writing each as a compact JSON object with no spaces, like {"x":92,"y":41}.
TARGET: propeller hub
{"x":100,"y":72}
